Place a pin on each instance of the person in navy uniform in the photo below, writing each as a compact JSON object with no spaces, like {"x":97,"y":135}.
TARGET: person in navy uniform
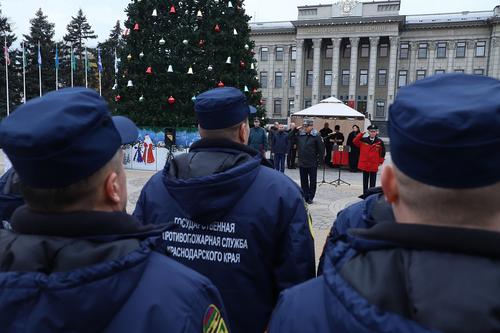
{"x":280,"y":147}
{"x":74,"y":261}
{"x":234,"y":218}
{"x":433,"y":263}
{"x":311,"y":150}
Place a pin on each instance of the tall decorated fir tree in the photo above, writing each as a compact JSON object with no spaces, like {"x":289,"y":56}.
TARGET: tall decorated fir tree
{"x":178,"y":49}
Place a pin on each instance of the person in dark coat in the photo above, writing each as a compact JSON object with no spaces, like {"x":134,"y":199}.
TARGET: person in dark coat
{"x":280,"y":147}
{"x":10,"y":196}
{"x":326,"y":133}
{"x":74,"y":261}
{"x":423,"y":257}
{"x":311,"y":151}
{"x":258,"y":138}
{"x":293,"y":133}
{"x":353,"y":150}
{"x":371,"y":155}
{"x":233,"y":218}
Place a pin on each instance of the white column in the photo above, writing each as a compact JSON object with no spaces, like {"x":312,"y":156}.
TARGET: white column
{"x":432,"y":58}
{"x":353,"y":69}
{"x":495,"y":58}
{"x":451,"y":55}
{"x":299,"y":69}
{"x":413,"y":61}
{"x":469,"y":55}
{"x":372,"y":74}
{"x":335,"y":66}
{"x":270,"y":85}
{"x":391,"y":80}
{"x":316,"y":71}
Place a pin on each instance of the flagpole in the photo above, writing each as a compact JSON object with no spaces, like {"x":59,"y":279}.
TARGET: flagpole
{"x":99,"y":69}
{"x":39,"y":69}
{"x":57,"y":68}
{"x":7,"y":75}
{"x":24,"y":72}
{"x":72,"y":64}
{"x":86,"y":64}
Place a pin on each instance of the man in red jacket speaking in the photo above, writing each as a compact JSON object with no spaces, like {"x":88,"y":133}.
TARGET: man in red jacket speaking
{"x":371,"y":155}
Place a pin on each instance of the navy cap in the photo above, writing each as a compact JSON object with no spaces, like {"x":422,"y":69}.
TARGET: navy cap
{"x":63,"y":137}
{"x":308,"y":122}
{"x":221,"y":108}
{"x":444,"y":131}
{"x":372,"y":128}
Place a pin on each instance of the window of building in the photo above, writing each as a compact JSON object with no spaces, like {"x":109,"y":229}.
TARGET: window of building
{"x":345,"y":77}
{"x":279,"y":54}
{"x":347,"y":51}
{"x":380,"y":109}
{"x":402,"y":79}
{"x":441,"y":50}
{"x":439,"y":71}
{"x":264,"y":54}
{"x":277,"y":107}
{"x":263,"y":79}
{"x":404,"y":50}
{"x":308,"y":12}
{"x":278,"y":80}
{"x":307,"y":103}
{"x":480,"y":49}
{"x":421,"y":74}
{"x":387,"y":8}
{"x":292,"y":79}
{"x":422,"y":51}
{"x":460,"y":52}
{"x":365,"y":50}
{"x":328,"y":78}
{"x":329,"y":52}
{"x":293,"y":53}
{"x":479,"y":71}
{"x":291,"y":106}
{"x":309,"y":78}
{"x":363,"y":77}
{"x":382,"y":77}
{"x":461,"y":71}
{"x":383,"y":50}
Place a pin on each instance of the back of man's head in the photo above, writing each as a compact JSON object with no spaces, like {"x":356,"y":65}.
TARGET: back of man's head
{"x":223,"y":113}
{"x":444,"y":146}
{"x":66,"y":148}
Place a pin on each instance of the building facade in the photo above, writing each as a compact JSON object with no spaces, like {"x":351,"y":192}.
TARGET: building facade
{"x":362,"y":53}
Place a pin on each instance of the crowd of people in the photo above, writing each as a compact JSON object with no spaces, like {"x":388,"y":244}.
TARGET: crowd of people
{"x":221,"y":242}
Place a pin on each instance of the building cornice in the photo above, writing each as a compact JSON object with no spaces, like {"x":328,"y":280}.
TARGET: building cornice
{"x":445,"y":25}
{"x":349,"y":20}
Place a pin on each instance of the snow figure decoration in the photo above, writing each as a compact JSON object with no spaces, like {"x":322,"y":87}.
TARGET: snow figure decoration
{"x":138,"y":153}
{"x":148,"y":156}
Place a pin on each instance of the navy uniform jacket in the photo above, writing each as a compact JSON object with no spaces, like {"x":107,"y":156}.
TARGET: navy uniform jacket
{"x":242,"y":224}
{"x":97,"y":272}
{"x":390,"y":277}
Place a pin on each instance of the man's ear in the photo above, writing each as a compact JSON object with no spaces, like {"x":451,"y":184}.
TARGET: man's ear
{"x":243,"y":133}
{"x":389,"y":184}
{"x":112,"y":189}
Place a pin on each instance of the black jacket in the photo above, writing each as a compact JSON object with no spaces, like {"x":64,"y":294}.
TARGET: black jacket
{"x":310,"y":148}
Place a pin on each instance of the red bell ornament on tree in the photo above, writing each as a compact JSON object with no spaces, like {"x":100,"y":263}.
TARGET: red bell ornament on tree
{"x":217,"y":28}
{"x":172,"y":10}
{"x":149,"y":70}
{"x":136,"y":27}
{"x":171,"y":100}
{"x":220,"y":84}
{"x":242,"y":64}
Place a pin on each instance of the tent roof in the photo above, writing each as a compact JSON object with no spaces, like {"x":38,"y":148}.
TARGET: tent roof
{"x":330,"y":107}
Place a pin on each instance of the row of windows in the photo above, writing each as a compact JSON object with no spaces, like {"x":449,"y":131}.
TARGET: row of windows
{"x":279,"y":53}
{"x":441,"y":50}
{"x":422,"y":74}
{"x":345,"y":77}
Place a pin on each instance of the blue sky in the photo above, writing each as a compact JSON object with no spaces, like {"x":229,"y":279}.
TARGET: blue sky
{"x":102,"y":14}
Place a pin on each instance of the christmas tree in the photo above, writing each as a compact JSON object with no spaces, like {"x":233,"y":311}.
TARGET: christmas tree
{"x":178,"y":49}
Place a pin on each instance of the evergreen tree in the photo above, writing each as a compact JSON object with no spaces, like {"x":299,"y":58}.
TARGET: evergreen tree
{"x":15,"y":85}
{"x":187,"y":35}
{"x":108,"y":48}
{"x":78,"y":33}
{"x":41,"y":31}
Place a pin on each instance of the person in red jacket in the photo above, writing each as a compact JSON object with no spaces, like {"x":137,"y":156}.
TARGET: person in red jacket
{"x":371,"y":155}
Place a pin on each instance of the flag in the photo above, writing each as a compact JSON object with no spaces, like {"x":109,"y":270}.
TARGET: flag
{"x":6,"y":54}
{"x":25,"y":61}
{"x":57,"y":58}
{"x":86,"y":61}
{"x":39,"y":56}
{"x":73,"y":59}
{"x":99,"y":60}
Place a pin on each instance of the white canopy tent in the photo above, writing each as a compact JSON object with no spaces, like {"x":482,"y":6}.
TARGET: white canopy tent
{"x":334,"y":110}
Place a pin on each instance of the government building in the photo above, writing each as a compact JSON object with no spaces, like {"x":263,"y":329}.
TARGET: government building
{"x":363,"y":52}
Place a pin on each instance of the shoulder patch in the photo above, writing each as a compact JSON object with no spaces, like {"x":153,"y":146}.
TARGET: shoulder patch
{"x":213,"y":321}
